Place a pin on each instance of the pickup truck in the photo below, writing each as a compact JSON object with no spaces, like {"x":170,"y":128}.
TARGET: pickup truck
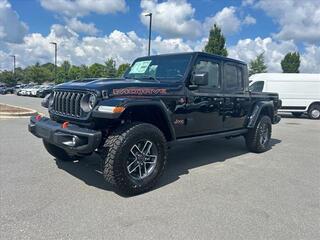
{"x":160,"y":101}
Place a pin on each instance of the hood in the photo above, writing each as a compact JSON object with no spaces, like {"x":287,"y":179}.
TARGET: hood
{"x":123,"y":86}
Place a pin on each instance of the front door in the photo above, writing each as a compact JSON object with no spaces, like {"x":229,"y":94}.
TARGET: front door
{"x":204,"y":104}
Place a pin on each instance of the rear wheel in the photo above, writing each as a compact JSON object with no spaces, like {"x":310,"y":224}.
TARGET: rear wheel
{"x":58,"y":152}
{"x":314,"y":111}
{"x":297,"y":114}
{"x":134,"y":157}
{"x":258,"y":138}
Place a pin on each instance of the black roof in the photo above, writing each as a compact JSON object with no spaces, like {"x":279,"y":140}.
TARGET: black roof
{"x":202,"y":54}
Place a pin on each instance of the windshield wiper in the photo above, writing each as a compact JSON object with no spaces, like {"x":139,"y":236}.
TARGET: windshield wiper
{"x":144,"y":78}
{"x":151,"y":78}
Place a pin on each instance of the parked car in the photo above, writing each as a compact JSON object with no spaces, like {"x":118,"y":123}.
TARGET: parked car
{"x":300,"y":93}
{"x":25,"y":91}
{"x":44,"y":90}
{"x":161,"y":101}
{"x":6,"y":90}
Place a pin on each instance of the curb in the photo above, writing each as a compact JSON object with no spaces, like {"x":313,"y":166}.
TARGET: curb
{"x":26,"y":113}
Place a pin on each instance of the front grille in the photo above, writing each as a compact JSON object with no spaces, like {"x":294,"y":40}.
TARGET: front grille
{"x":67,"y":103}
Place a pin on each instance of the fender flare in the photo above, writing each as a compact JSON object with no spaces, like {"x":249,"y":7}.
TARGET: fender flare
{"x":128,"y":103}
{"x":256,"y":110}
{"x":159,"y":104}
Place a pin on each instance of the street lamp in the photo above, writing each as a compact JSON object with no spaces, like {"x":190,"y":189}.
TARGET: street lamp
{"x":150,"y":23}
{"x":14,"y":63}
{"x":55,"y":59}
{"x":14,"y":67}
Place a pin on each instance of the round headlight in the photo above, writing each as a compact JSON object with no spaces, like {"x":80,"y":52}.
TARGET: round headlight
{"x":92,"y":101}
{"x":51,"y":99}
{"x":47,"y":101}
{"x":88,"y":102}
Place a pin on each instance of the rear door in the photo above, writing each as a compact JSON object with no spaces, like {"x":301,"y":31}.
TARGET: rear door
{"x":236,"y":96}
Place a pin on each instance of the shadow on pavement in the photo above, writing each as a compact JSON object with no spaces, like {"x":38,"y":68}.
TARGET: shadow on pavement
{"x":180,"y":160}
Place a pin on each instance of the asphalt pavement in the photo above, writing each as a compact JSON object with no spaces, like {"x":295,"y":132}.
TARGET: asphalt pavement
{"x":210,"y":190}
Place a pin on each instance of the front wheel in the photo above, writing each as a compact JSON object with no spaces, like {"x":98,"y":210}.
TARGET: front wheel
{"x":258,"y":138}
{"x":134,"y":157}
{"x":314,"y":111}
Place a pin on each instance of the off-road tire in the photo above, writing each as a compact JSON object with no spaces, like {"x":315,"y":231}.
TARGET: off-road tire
{"x":314,"y":107}
{"x":58,"y":153}
{"x":116,"y":150}
{"x":297,"y":114}
{"x":254,"y":135}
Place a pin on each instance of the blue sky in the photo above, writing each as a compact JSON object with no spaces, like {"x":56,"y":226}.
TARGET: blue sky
{"x":90,"y":31}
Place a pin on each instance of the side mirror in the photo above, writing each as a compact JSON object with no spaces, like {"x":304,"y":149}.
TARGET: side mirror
{"x":200,"y":79}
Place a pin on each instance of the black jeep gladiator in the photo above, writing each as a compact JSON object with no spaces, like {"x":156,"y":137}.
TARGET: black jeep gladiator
{"x":160,"y":101}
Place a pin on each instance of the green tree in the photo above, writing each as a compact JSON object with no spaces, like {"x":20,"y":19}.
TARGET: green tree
{"x":111,"y":70}
{"x":84,"y":71}
{"x":63,"y":72}
{"x":38,"y":74}
{"x":6,"y":77}
{"x":216,"y":43}
{"x":74,"y":73}
{"x":97,"y":70}
{"x":122,"y":69}
{"x":291,"y":63}
{"x":257,"y":65}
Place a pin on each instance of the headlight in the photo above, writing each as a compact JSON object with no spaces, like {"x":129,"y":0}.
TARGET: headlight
{"x":88,"y":102}
{"x":47,"y":101}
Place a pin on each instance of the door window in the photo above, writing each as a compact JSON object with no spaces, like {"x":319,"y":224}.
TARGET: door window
{"x":212,"y":69}
{"x":233,"y":77}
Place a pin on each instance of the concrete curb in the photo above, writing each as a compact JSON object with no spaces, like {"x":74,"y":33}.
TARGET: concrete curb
{"x":26,"y":112}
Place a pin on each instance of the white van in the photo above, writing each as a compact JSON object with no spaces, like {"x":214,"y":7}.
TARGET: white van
{"x":299,"y":92}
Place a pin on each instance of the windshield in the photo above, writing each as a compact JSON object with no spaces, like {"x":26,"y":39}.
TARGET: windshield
{"x":256,"y":86}
{"x":170,"y":67}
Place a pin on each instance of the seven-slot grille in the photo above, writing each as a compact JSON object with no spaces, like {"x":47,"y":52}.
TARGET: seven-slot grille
{"x":68,"y":103}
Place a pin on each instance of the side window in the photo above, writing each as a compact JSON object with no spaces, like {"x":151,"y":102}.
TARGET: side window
{"x":212,"y":69}
{"x":256,"y":86}
{"x":233,"y":77}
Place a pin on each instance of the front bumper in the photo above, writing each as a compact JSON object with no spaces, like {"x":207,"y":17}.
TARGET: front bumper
{"x":73,"y":138}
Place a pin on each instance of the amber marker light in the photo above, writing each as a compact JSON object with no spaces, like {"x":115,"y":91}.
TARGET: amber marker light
{"x":118,"y":109}
{"x":110,"y":109}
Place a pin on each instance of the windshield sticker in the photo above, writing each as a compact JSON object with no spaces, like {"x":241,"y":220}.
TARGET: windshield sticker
{"x":140,"y":67}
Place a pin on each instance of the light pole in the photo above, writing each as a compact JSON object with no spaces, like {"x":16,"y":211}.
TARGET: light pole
{"x":14,"y":67}
{"x":14,"y":63}
{"x":55,"y":59}
{"x":150,"y":24}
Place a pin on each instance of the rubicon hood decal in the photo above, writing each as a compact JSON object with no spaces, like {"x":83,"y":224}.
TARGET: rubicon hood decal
{"x":139,"y":91}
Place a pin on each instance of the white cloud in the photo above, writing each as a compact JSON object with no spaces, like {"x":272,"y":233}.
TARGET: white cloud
{"x":310,"y":60}
{"x":274,"y":51}
{"x":123,"y":47}
{"x":226,"y":19}
{"x":77,"y":8}
{"x":81,"y":27}
{"x":249,"y":20}
{"x":247,"y":2}
{"x":11,"y":28}
{"x":172,"y":18}
{"x":298,"y":20}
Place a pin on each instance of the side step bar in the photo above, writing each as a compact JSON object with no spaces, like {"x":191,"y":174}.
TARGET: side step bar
{"x":233,"y":133}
